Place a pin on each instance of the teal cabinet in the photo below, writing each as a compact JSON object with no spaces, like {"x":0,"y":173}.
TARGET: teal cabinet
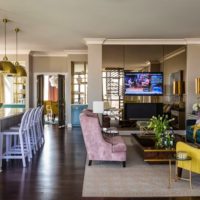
{"x":76,"y":109}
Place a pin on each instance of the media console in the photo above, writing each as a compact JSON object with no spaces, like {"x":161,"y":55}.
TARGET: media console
{"x":142,"y":111}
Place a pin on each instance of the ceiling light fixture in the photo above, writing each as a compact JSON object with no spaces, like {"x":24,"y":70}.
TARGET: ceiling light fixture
{"x":6,"y":65}
{"x":20,"y":71}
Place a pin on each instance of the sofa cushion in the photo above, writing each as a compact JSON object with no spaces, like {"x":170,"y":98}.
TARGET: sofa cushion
{"x":118,"y":144}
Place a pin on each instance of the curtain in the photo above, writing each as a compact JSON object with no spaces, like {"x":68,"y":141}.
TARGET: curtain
{"x":2,"y":100}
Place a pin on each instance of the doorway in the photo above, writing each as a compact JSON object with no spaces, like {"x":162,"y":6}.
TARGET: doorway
{"x":51,"y":93}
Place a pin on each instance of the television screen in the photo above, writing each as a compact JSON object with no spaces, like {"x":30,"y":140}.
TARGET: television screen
{"x":143,"y":83}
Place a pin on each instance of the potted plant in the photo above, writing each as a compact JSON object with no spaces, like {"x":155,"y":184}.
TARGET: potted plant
{"x":164,"y":136}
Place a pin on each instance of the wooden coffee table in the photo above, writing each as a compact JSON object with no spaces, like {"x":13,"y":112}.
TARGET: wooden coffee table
{"x":151,"y":154}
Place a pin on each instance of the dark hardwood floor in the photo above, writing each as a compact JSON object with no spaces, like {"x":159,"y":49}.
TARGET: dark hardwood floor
{"x":55,"y":173}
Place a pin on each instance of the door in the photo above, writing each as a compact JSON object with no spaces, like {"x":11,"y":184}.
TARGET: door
{"x":40,"y":90}
{"x":61,"y":101}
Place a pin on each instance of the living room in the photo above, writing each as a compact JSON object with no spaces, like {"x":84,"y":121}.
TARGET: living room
{"x":127,"y":62}
{"x":137,"y":111}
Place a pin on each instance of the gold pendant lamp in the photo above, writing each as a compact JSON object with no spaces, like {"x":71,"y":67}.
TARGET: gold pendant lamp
{"x":5,"y":64}
{"x":20,"y":71}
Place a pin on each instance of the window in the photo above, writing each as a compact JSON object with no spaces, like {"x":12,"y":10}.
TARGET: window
{"x":79,"y":83}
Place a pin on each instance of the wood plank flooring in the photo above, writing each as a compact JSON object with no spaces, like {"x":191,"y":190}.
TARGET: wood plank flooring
{"x":55,"y":173}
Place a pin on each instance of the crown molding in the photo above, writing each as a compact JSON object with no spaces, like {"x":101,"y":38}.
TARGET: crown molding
{"x":193,"y":40}
{"x":74,"y":52}
{"x":13,"y":52}
{"x":145,"y":42}
{"x":48,"y":54}
{"x":94,"y":40}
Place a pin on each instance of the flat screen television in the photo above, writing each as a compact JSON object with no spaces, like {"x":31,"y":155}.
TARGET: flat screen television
{"x":143,"y":83}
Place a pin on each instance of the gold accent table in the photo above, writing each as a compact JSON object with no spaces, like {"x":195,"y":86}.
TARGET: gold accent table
{"x":188,"y":159}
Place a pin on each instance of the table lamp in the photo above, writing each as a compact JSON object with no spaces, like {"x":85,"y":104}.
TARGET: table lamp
{"x":98,"y":107}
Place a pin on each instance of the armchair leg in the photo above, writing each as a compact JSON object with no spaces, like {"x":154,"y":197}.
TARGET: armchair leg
{"x":124,"y":163}
{"x":90,"y":163}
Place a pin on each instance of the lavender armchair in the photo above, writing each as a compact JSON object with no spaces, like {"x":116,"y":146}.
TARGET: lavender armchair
{"x":111,"y":149}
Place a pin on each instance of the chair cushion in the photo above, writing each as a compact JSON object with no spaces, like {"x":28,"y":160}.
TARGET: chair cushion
{"x":118,"y":144}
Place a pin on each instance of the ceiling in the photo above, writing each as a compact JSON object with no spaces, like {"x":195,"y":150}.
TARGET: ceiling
{"x":57,"y":25}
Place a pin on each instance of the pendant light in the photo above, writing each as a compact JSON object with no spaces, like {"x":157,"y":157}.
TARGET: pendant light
{"x":6,"y":65}
{"x":20,"y":71}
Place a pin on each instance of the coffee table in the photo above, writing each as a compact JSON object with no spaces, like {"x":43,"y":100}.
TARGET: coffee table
{"x":143,"y":126}
{"x":146,"y":144}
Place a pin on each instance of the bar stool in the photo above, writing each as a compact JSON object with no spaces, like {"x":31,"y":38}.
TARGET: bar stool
{"x":39,"y":126}
{"x":21,"y":148}
{"x":31,"y":132}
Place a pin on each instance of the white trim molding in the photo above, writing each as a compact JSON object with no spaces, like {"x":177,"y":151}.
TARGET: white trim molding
{"x":144,"y":41}
{"x":48,"y":53}
{"x":193,"y":40}
{"x":13,"y":52}
{"x":176,"y":41}
{"x":76,"y":52}
{"x":94,"y":40}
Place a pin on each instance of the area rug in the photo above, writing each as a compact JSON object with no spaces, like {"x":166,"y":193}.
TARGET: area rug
{"x":138,"y":179}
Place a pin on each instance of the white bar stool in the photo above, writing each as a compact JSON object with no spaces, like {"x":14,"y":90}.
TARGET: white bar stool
{"x":19,"y":149}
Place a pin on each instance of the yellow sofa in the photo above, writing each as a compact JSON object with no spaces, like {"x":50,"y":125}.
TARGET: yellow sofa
{"x":194,"y":153}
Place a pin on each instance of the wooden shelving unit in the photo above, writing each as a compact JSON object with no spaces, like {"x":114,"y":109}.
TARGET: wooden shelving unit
{"x":113,"y":79}
{"x":79,"y":83}
{"x":19,"y":85}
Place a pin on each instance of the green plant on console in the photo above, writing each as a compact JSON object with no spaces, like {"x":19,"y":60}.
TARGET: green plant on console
{"x":164,"y":137}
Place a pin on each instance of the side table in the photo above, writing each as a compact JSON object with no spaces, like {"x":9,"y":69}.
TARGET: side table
{"x":176,"y":159}
{"x":110,"y":132}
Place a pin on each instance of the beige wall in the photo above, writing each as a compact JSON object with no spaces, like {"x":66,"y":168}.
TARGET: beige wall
{"x":193,"y":71}
{"x":50,"y":64}
{"x":95,"y":88}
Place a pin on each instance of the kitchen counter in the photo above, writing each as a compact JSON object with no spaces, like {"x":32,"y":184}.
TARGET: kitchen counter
{"x":9,"y":112}
{"x":8,"y":117}
{"x":13,"y":105}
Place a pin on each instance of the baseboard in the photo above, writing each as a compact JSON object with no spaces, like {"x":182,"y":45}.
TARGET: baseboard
{"x":69,"y":125}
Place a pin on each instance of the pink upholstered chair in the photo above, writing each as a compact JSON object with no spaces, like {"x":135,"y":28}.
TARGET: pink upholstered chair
{"x":113,"y":149}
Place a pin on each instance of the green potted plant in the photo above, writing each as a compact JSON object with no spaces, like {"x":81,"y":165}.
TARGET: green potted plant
{"x":164,"y":136}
